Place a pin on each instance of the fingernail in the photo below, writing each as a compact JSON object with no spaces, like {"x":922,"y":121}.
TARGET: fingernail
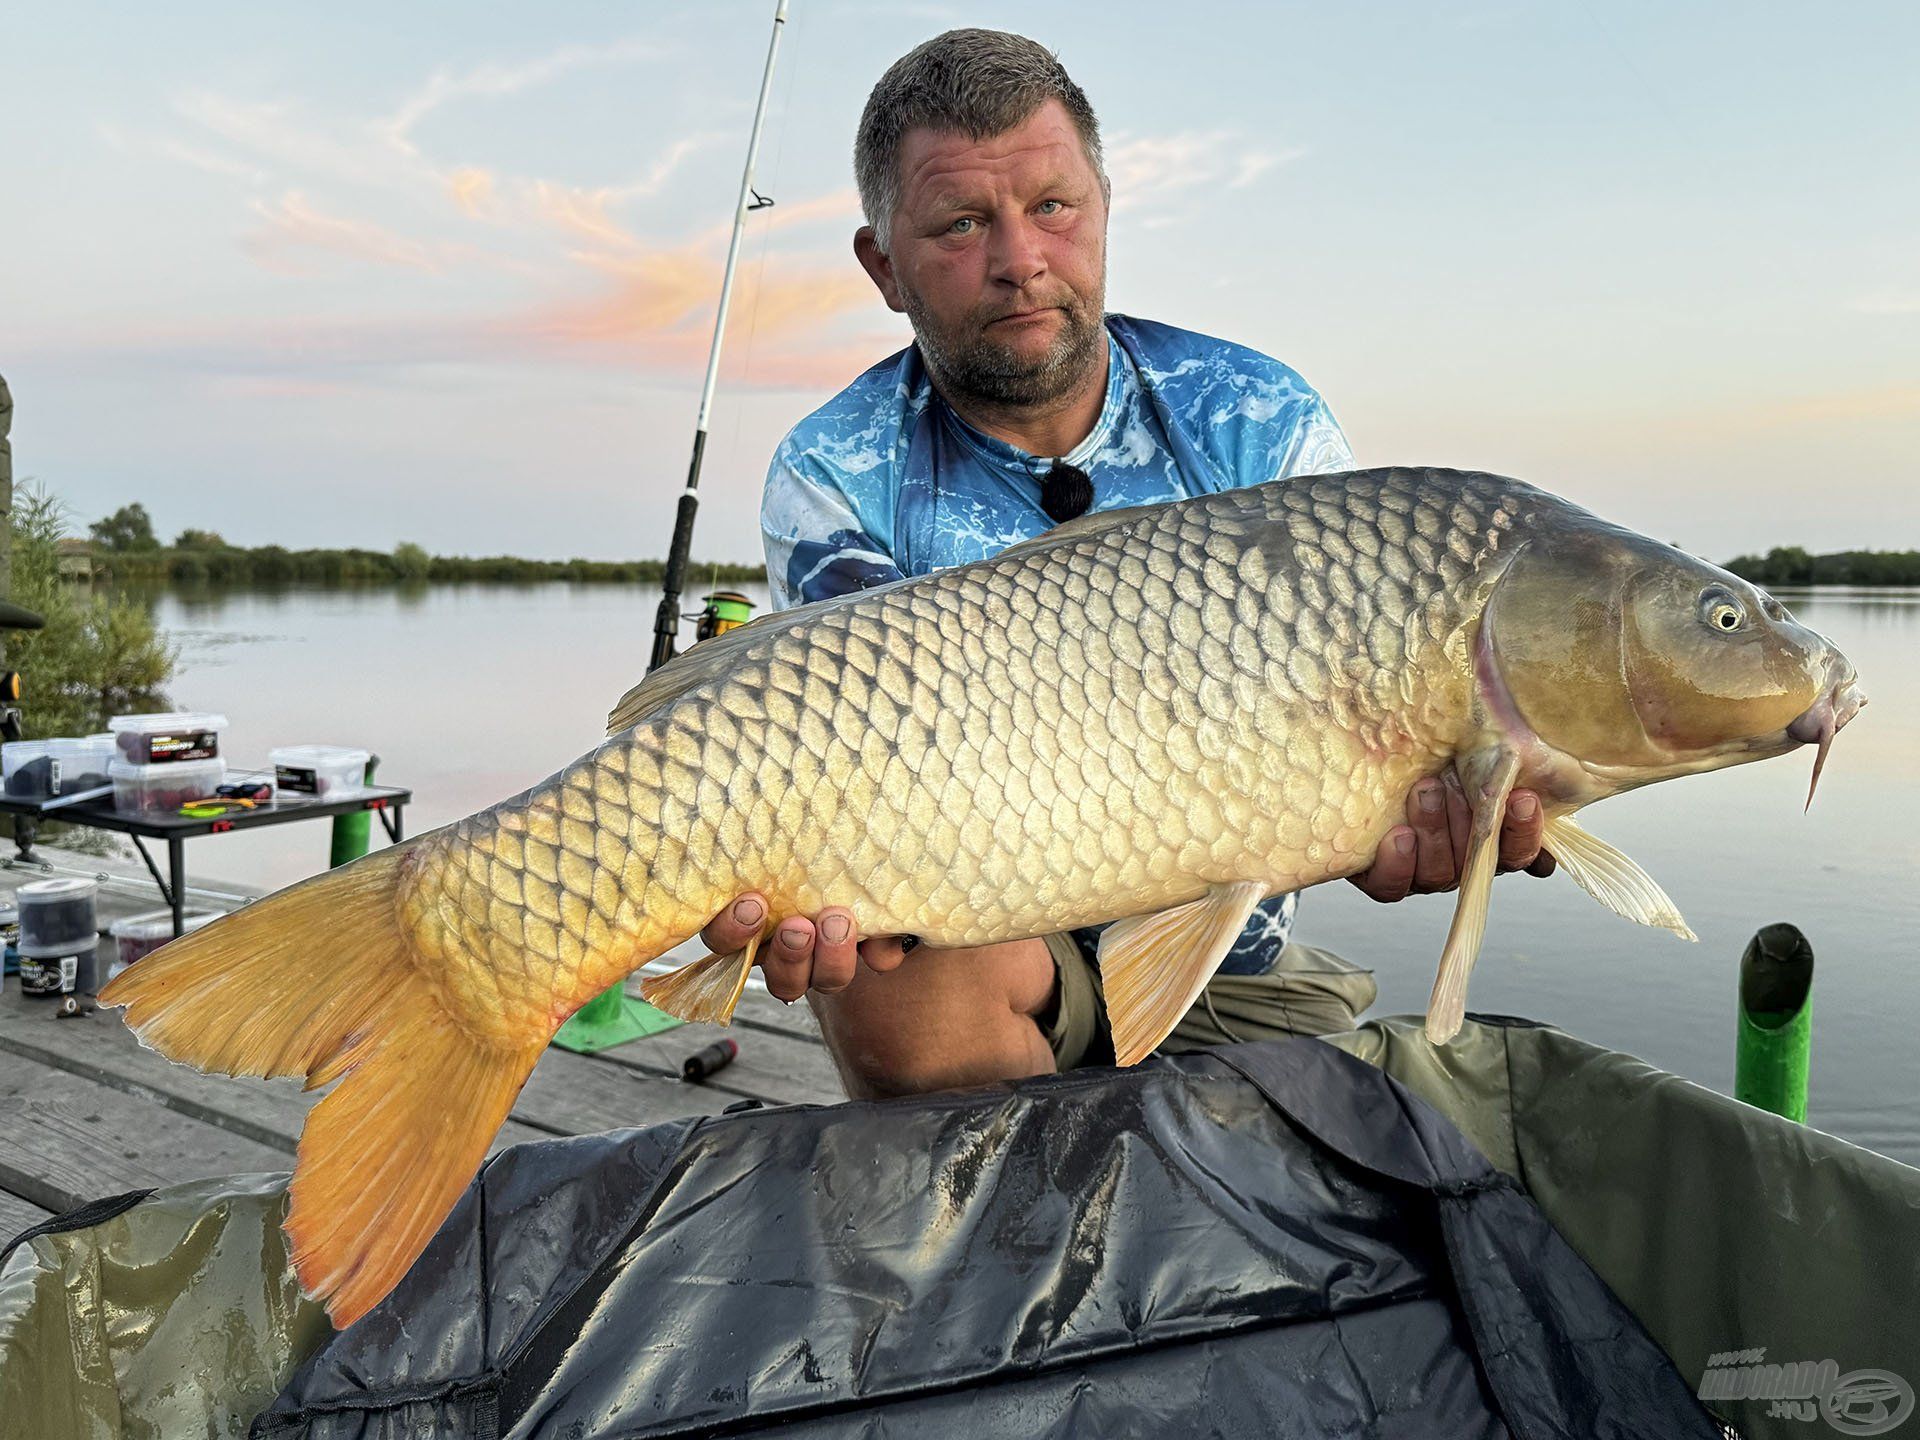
{"x":835,"y":928}
{"x":793,"y":936}
{"x":748,"y":912}
{"x":908,"y":943}
{"x":1524,"y":806}
{"x":1431,"y":800}
{"x":1403,"y":843}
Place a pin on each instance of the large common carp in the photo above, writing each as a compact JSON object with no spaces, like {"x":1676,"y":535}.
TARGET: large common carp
{"x":1163,"y":714}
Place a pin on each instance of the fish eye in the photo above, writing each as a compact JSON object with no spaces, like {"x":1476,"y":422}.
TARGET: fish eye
{"x":1722,"y":611}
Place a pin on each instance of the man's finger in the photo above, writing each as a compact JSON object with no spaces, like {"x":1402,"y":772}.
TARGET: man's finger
{"x":1543,"y":864}
{"x":835,"y":950}
{"x":1433,"y":867}
{"x":882,"y":953}
{"x":738,"y":923}
{"x":1391,"y":875}
{"x":1520,"y":830}
{"x":787,"y":959}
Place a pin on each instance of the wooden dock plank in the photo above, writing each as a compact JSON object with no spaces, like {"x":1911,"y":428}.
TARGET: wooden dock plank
{"x":582,"y":1094}
{"x":65,"y":1139}
{"x":779,"y":1069}
{"x":17,"y":1215}
{"x":100,"y":1048}
{"x":782,"y":1058}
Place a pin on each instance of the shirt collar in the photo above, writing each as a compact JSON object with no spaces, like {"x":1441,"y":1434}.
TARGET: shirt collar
{"x":1012,"y":460}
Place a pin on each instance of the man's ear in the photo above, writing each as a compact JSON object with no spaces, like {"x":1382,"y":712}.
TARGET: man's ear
{"x":879,"y":267}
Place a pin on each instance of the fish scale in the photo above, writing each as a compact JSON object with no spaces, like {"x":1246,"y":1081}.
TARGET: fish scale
{"x":1237,"y":688}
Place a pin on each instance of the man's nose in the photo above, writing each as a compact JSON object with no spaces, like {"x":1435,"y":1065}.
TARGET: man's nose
{"x":1017,"y":255}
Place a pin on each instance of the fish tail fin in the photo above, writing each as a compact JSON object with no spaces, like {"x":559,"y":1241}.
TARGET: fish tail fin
{"x":704,"y":991}
{"x":384,"y":1157}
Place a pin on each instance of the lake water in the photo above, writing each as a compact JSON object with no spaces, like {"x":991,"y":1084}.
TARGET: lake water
{"x":470,"y":694}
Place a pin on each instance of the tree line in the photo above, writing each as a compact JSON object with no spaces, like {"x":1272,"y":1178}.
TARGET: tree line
{"x":1791,"y":565}
{"x":130,"y":550}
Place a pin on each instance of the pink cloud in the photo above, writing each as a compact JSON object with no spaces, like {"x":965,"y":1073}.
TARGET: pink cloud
{"x":293,"y":225}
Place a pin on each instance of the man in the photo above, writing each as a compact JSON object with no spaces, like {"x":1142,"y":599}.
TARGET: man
{"x":1020,"y":404}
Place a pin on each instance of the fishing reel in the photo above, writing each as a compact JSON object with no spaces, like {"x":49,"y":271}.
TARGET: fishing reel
{"x":16,"y":617}
{"x":725,"y":610}
{"x":13,"y":617}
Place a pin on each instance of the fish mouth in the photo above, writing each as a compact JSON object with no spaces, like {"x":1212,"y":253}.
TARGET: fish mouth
{"x":1824,"y":719}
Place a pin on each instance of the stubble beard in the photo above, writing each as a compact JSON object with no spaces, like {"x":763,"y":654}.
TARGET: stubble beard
{"x":969,"y":365}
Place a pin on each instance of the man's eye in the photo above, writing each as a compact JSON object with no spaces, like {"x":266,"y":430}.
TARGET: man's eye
{"x":1051,"y":207}
{"x":968,"y":221}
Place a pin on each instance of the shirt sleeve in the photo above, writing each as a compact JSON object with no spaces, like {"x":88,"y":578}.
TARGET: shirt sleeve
{"x":816,"y":547}
{"x":1319,"y":444}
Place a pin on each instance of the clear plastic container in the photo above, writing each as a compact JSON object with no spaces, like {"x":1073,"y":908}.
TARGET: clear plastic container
{"x":28,"y":767}
{"x":177,"y":738}
{"x":57,"y":917}
{"x":324,"y":772}
{"x":138,"y":936}
{"x":162,"y":789}
{"x":81,"y":764}
{"x":51,"y":975}
{"x":44,"y":769}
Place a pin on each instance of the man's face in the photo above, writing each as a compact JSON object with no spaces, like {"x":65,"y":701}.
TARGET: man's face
{"x":999,"y":259}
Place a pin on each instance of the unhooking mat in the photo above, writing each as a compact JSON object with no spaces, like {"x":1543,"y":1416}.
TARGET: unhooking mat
{"x":1264,"y":1239}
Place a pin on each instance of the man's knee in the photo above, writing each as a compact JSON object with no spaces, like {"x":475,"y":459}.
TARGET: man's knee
{"x":943,"y":1019}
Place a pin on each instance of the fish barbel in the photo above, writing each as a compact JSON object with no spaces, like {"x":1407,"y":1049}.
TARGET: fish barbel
{"x":1160,"y":715}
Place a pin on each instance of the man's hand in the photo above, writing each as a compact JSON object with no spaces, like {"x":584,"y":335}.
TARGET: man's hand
{"x":1427,"y":853}
{"x":820,"y":954}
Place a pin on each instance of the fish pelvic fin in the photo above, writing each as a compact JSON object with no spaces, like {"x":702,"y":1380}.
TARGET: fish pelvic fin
{"x":704,"y":991}
{"x":1153,"y":967}
{"x":1612,"y":879}
{"x":321,"y":983}
{"x":1488,"y":777}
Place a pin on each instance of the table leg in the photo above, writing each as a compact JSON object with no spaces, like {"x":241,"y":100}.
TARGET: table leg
{"x":152,"y":869}
{"x":177,"y":870}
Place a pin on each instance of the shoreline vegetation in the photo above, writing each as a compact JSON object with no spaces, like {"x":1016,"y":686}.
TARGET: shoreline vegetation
{"x":1791,"y":565}
{"x":124,"y":549}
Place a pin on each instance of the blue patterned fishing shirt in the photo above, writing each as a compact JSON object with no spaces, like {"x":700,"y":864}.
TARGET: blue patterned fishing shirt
{"x":885,"y":480}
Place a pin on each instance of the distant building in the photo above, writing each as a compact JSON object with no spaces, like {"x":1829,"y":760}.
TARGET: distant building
{"x":76,"y":559}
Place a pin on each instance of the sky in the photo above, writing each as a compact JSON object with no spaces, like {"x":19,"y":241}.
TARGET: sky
{"x":360,"y":274}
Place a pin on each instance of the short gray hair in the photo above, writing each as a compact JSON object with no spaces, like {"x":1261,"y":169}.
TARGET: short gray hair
{"x":980,"y":82}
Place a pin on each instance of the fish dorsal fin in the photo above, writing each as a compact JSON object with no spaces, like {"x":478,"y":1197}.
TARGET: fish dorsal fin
{"x":1488,"y":777}
{"x":692,"y":667}
{"x":1612,"y":879}
{"x":1083,"y":525}
{"x":1152,"y":967}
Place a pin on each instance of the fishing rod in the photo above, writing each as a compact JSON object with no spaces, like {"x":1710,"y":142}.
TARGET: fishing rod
{"x":613,"y":1017}
{"x":666,"y":625}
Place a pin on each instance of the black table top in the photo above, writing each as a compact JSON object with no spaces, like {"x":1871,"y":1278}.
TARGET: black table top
{"x":100,"y":814}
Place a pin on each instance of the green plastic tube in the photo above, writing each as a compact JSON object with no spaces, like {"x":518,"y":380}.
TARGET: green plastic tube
{"x":1775,"y":1043}
{"x":351,"y":832}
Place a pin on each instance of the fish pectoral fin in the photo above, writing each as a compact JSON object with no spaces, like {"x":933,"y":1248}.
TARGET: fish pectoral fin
{"x":1153,"y":967}
{"x":1612,"y":879}
{"x":705,"y":991}
{"x":1488,"y":778}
